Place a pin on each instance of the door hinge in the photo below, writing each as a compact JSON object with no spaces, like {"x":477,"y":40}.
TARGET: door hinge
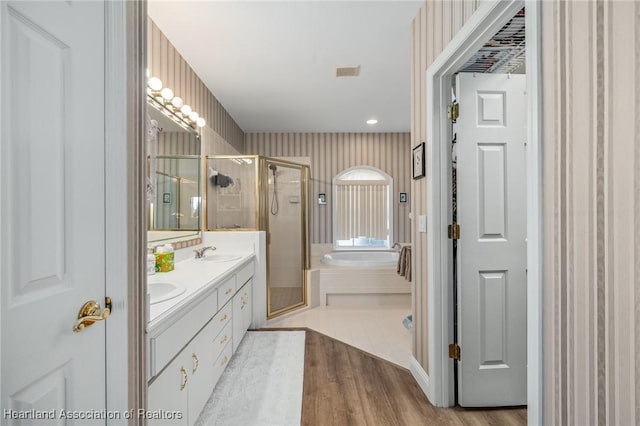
{"x":453,"y":111}
{"x":454,"y":351}
{"x":454,"y":231}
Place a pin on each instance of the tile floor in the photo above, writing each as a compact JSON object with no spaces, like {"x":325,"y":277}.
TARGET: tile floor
{"x":377,"y":330}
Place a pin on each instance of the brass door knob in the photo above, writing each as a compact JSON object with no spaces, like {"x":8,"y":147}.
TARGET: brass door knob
{"x":92,"y":312}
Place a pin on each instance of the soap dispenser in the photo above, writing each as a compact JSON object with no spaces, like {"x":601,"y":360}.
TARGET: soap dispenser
{"x":151,"y":261}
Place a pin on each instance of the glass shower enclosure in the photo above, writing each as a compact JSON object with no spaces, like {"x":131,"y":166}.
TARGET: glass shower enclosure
{"x":248,"y":193}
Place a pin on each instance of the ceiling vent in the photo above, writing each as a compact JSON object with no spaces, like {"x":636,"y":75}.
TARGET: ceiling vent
{"x":348,"y":71}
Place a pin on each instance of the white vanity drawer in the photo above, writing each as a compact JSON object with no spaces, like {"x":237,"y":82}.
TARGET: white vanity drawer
{"x":222,"y":339}
{"x":167,"y":344}
{"x":226,"y":291}
{"x":244,"y":274}
{"x":220,"y":321}
{"x":221,"y":363}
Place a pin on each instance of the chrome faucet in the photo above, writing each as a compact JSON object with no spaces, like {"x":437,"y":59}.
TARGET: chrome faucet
{"x":396,"y":246}
{"x":200,"y":252}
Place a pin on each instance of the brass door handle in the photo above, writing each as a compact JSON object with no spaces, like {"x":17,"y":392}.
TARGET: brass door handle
{"x":185,"y":378}
{"x":195,"y":363}
{"x":92,"y":312}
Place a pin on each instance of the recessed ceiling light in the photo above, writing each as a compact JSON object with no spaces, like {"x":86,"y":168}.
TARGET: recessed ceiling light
{"x":372,"y":121}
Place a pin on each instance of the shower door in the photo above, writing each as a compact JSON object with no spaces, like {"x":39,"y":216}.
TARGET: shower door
{"x":285,"y":209}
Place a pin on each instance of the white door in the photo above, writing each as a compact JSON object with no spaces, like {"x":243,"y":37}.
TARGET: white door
{"x":52,"y":211}
{"x":491,"y":181}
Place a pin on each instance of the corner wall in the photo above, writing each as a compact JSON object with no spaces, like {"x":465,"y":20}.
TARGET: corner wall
{"x":166,"y":63}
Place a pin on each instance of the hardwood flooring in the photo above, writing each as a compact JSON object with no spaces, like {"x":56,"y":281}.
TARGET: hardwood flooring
{"x":344,"y":386}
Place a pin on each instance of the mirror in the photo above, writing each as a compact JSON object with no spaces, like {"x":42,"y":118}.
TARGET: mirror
{"x":173,"y":154}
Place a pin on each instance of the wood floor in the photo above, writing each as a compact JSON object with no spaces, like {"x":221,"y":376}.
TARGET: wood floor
{"x":344,"y":386}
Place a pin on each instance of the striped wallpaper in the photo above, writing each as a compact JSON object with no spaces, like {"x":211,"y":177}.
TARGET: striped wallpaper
{"x":165,"y":62}
{"x":178,"y":143}
{"x":434,"y":26}
{"x":591,"y":189}
{"x":332,"y":153}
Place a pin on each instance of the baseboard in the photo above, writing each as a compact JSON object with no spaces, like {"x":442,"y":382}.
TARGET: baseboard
{"x":421,"y":377}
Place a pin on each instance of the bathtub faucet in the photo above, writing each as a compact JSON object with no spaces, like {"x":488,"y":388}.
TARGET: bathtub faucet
{"x":396,"y":246}
{"x":200,"y":253}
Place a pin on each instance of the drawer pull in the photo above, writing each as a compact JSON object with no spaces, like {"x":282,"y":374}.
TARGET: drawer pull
{"x":184,"y":378}
{"x":224,"y":318}
{"x":195,"y":362}
{"x":229,"y":291}
{"x":224,"y":340}
{"x":224,"y":361}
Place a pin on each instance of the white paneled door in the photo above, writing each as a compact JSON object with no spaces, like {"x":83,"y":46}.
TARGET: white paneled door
{"x":491,"y":182}
{"x":52,"y":211}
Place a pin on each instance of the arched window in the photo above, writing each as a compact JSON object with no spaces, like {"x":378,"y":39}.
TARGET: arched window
{"x":362,"y":209}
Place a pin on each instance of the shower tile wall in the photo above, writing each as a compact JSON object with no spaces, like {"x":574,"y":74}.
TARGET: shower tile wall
{"x":285,"y":228}
{"x":234,"y":206}
{"x":332,"y":153}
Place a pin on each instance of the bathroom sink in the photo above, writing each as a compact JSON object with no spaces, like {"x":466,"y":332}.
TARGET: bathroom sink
{"x":219,"y":258}
{"x":160,"y":292}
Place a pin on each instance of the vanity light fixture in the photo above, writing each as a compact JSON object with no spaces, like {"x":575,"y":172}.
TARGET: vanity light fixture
{"x":167,"y":94}
{"x":155,"y":84}
{"x":372,"y":121}
{"x":174,"y":105}
{"x":185,"y":110}
{"x":177,"y":102}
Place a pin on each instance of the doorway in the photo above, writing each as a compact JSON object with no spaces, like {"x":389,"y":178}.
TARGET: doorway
{"x":286,"y":226}
{"x":481,"y":27}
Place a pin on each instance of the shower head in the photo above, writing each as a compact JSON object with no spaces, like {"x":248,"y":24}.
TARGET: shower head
{"x":273,"y":168}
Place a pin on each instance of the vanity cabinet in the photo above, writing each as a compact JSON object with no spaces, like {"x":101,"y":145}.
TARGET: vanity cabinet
{"x":189,"y":355}
{"x":242,"y":312}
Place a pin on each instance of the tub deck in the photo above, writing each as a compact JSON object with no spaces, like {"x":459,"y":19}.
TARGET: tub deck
{"x":361,"y":286}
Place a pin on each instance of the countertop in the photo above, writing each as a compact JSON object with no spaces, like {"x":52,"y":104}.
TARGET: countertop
{"x":198,"y":278}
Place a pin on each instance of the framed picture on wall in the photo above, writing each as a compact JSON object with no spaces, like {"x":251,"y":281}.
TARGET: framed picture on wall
{"x":418,"y":161}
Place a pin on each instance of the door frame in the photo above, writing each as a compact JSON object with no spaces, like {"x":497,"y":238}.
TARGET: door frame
{"x":125,"y":206}
{"x":485,"y":22}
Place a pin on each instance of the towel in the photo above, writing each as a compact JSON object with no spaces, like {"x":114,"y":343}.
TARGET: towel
{"x":404,"y":263}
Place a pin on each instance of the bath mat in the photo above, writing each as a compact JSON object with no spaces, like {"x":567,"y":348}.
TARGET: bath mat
{"x":262,"y":386}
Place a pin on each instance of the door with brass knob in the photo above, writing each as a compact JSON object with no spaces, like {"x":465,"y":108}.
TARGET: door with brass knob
{"x":91,"y":313}
{"x":52,"y":225}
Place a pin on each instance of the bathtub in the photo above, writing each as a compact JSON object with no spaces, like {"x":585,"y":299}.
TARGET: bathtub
{"x":369,"y":259}
{"x":361,"y":279}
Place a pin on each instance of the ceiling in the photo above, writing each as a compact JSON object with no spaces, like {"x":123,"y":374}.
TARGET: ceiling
{"x":272,"y":64}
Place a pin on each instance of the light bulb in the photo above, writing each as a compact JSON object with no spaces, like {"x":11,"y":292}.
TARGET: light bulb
{"x":200,"y":122}
{"x":155,"y":84}
{"x":185,"y":110}
{"x":194,"y":116}
{"x":177,"y":102}
{"x":167,"y":94}
{"x":372,"y":121}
